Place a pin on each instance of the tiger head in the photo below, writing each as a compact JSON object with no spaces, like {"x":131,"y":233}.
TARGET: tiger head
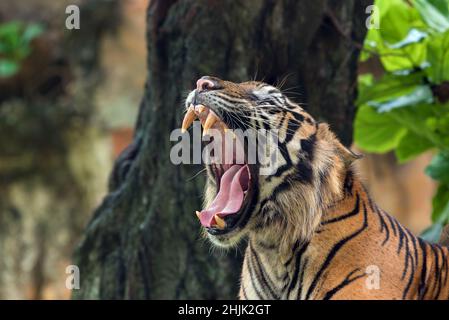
{"x":284,"y":205}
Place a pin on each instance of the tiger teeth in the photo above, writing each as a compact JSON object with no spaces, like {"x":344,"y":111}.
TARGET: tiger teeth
{"x":220,"y":222}
{"x":210,"y":121}
{"x":195,"y":111}
{"x":188,"y":119}
{"x":198,"y":214}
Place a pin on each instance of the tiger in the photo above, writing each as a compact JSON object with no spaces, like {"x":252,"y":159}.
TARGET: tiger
{"x":312,"y":230}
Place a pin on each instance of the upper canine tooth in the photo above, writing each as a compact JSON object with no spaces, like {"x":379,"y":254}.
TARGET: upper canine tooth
{"x":220,"y":222}
{"x":210,"y":121}
{"x":188,"y":119}
{"x":198,"y":214}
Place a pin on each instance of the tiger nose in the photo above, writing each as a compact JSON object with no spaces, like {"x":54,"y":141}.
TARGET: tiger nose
{"x":204,"y":84}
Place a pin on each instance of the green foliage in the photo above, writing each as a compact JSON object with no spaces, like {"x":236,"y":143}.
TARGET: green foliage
{"x":401,"y":111}
{"x":375,"y":132}
{"x":15,"y":40}
{"x":438,"y":168}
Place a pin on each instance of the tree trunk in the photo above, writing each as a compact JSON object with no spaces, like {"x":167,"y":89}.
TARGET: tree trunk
{"x":144,"y":240}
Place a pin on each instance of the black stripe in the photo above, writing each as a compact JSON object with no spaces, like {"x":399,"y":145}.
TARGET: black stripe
{"x":415,"y":250}
{"x":301,"y":278}
{"x":295,"y":247}
{"x":245,"y":296}
{"x":401,"y":236}
{"x":343,"y":284}
{"x":266,"y":281}
{"x":292,"y":127}
{"x":335,"y":250}
{"x":253,"y":279}
{"x":422,"y":283}
{"x":288,"y":161}
{"x":413,"y":261}
{"x":281,"y":121}
{"x":304,"y":172}
{"x":308,"y":147}
{"x":349,"y":182}
{"x":407,"y":256}
{"x":297,"y":116}
{"x":265,"y":122}
{"x":353,"y":212}
{"x":409,"y":282}
{"x":383,"y":226}
{"x":297,"y":268}
{"x":392,"y":224}
{"x":437,"y":274}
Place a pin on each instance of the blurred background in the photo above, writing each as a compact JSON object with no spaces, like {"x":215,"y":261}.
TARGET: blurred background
{"x":66,"y":112}
{"x":69,"y":101}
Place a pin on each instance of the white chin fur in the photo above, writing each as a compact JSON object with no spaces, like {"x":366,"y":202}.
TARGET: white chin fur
{"x":225,"y":241}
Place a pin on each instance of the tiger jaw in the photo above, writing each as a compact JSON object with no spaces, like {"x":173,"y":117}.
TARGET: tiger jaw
{"x":234,"y":182}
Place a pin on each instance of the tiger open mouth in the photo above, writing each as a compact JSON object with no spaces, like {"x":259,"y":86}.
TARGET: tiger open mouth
{"x":234,"y":178}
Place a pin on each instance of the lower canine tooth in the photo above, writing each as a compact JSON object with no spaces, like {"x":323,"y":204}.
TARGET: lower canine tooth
{"x":220,"y":222}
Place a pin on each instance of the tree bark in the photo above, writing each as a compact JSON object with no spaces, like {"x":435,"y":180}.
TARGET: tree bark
{"x":144,"y":240}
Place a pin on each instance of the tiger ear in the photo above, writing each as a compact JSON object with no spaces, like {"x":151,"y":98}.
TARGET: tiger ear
{"x":346,"y":154}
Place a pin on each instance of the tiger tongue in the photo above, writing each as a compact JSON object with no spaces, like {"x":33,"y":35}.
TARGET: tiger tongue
{"x":229,"y":200}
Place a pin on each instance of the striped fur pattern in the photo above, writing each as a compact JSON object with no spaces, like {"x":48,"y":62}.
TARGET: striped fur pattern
{"x":313,"y":230}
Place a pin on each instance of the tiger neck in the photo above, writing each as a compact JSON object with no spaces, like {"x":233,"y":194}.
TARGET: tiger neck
{"x":300,"y":225}
{"x":284,"y":265}
{"x":353,"y":236}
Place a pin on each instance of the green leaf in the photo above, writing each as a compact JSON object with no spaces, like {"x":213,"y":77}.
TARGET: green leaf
{"x":397,"y":21}
{"x":385,"y":5}
{"x":31,"y":31}
{"x":365,"y":80}
{"x":433,"y":233}
{"x":8,"y":68}
{"x":364,"y":83}
{"x":375,"y":132}
{"x":413,"y":36}
{"x":411,"y":145}
{"x":15,"y":40}
{"x":440,"y":204}
{"x":438,"y":169}
{"x":441,"y":5}
{"x":390,"y":86}
{"x":397,"y":41}
{"x":420,"y":94}
{"x":407,"y":58}
{"x":438,"y":58}
{"x":433,"y":14}
{"x":9,"y":29}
